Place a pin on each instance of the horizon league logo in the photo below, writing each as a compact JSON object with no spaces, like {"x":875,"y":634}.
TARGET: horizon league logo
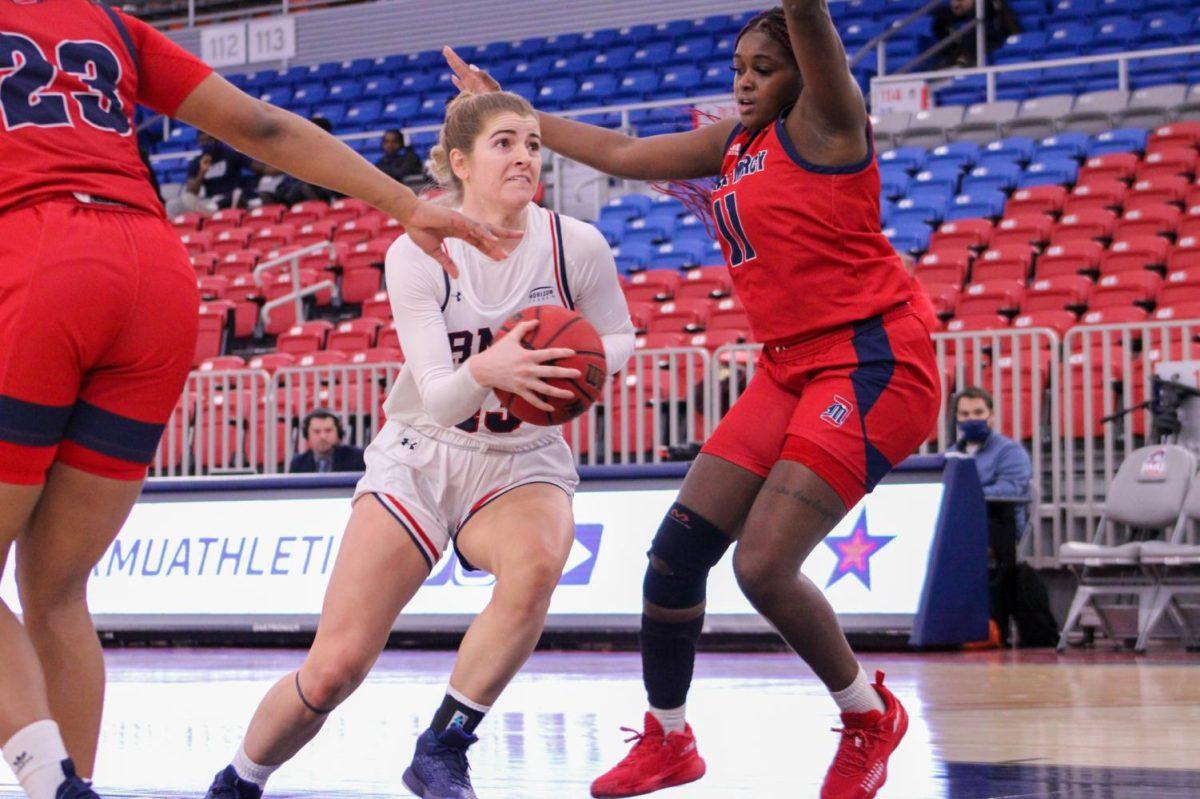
{"x":581,"y":563}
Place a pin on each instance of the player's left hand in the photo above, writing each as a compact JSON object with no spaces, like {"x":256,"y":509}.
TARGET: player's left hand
{"x":468,"y":77}
{"x":429,"y":225}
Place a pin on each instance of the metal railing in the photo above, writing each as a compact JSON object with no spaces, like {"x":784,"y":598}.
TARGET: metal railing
{"x":990,"y":72}
{"x":203,"y":12}
{"x":296,"y":296}
{"x":1051,"y":396}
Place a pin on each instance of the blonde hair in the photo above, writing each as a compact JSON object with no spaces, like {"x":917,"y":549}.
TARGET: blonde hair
{"x":466,"y":116}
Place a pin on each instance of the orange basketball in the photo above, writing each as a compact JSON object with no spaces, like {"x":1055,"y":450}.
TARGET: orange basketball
{"x":559,"y":327}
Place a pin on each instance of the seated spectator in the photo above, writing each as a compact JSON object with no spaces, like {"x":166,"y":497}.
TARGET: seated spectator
{"x":1005,"y":469}
{"x":290,"y":191}
{"x":214,"y":178}
{"x":326,"y":453}
{"x":400,"y":162}
{"x":999,"y":23}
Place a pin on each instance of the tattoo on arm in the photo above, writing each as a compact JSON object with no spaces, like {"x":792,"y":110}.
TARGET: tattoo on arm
{"x":831,"y":515}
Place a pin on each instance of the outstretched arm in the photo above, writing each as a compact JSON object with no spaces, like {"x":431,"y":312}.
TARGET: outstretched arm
{"x":673,"y":156}
{"x":830,"y":117}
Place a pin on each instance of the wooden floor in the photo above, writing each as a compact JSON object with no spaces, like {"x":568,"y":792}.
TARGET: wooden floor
{"x":983,"y":726}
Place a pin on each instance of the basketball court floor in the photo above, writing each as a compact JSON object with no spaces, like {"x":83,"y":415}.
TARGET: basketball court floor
{"x":1092,"y":724}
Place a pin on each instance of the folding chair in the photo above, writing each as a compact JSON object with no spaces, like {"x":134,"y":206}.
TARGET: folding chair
{"x":1175,"y":565}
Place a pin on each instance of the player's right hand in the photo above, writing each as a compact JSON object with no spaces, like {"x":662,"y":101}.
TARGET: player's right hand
{"x":468,"y":77}
{"x":428,"y":225}
{"x":509,"y":366}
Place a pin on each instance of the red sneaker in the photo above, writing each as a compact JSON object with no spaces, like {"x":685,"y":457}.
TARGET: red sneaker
{"x":655,"y":762}
{"x":859,"y":769}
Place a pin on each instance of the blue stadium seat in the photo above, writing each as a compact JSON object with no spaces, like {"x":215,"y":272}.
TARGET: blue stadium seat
{"x":964,"y":154}
{"x":325,"y":71}
{"x":310,"y":93}
{"x":1019,"y":148}
{"x":1119,"y":32}
{"x":1020,"y":47}
{"x":401,"y":110}
{"x":945,"y":177}
{"x":1165,"y":30}
{"x":612,"y":229}
{"x":1063,"y":40}
{"x":639,"y":202}
{"x":1062,"y":171}
{"x":652,"y":55}
{"x":894,"y":182}
{"x":281,"y":97}
{"x":693,"y":49}
{"x":382,"y":87}
{"x":859,"y":34}
{"x":346,"y":91}
{"x":636,"y":86}
{"x":1075,"y":10}
{"x":716,"y":79}
{"x":595,"y":89}
{"x":975,"y":205}
{"x":527,"y":89}
{"x":572,"y":63}
{"x":1117,"y":8}
{"x":633,"y":257}
{"x":928,"y":210}
{"x":616,"y":58}
{"x":416,"y":82}
{"x":910,"y":158}
{"x":1125,"y":140}
{"x":334,"y":112}
{"x":533,"y":69}
{"x":909,"y":238}
{"x":1062,"y":145}
{"x":365,"y":114}
{"x":680,"y":81}
{"x":556,"y":93}
{"x":673,"y":29}
{"x":564,"y":43}
{"x":991,"y":178}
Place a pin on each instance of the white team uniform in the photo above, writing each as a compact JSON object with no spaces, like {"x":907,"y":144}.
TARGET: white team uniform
{"x":448,"y":448}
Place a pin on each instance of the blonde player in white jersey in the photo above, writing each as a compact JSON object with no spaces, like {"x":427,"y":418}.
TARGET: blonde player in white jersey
{"x":450,"y":465}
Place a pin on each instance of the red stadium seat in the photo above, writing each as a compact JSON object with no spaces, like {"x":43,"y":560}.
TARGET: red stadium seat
{"x":306,"y":212}
{"x":189,"y":222}
{"x":230,"y":241}
{"x":224,"y":219}
{"x":378,"y":306}
{"x":1114,"y":166}
{"x":358,"y":231}
{"x":640,"y":314}
{"x":304,"y":337}
{"x":327,"y":259}
{"x":1069,"y":258}
{"x":389,"y":338}
{"x":1036,"y":200}
{"x":265,"y":215}
{"x":1059,"y":293}
{"x":1154,"y":191}
{"x":1175,"y":135}
{"x":979,"y":299}
{"x":355,"y":335}
{"x":1149,"y":220}
{"x":345,"y":214}
{"x":656,"y":341}
{"x":944,"y":298}
{"x":197,"y":242}
{"x":233,"y":264}
{"x":1189,"y":225}
{"x":272,"y":361}
{"x":221,"y":363}
{"x":705,"y":282}
{"x":314,"y":232}
{"x":378,"y":355}
{"x":1098,"y":194}
{"x":730,"y":320}
{"x":323,"y":358}
{"x":214,"y":318}
{"x":1028,"y":228}
{"x":679,"y":316}
{"x":972,"y":233}
{"x":1113,"y":316}
{"x":967,"y":324}
{"x":664,"y":283}
{"x":1125,"y":288}
{"x":369,"y":253}
{"x":1058,"y":321}
{"x":1018,"y":256}
{"x":1166,"y":162}
{"x":354,"y":204}
{"x":212,"y":287}
{"x":1139,"y":252}
{"x":713,"y":340}
{"x":360,"y":285}
{"x":1085,"y":225}
{"x":1004,"y":269}
{"x":274,"y":237}
{"x":1183,"y":310}
{"x":1180,"y":287}
{"x":942,"y":268}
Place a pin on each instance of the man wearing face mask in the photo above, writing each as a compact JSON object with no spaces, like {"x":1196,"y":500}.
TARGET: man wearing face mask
{"x":1004,"y":466}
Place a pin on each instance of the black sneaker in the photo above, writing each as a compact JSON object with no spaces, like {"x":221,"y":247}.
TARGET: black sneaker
{"x":74,"y":787}
{"x":228,"y":785}
{"x":439,"y":767}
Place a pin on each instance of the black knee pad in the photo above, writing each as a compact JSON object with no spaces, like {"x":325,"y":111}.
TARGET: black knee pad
{"x":688,"y":546}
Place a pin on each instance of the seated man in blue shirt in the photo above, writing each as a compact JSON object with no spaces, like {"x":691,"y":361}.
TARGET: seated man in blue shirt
{"x":1004,"y":466}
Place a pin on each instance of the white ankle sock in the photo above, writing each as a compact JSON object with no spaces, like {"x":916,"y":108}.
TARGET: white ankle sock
{"x":859,"y":697}
{"x":671,"y":720}
{"x":35,"y":754}
{"x":250,"y":771}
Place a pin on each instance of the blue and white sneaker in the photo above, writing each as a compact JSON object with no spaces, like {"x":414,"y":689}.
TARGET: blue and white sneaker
{"x":228,"y":785}
{"x":439,"y":767}
{"x":74,"y":787}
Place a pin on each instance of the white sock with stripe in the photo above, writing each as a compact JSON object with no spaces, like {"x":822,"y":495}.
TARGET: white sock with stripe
{"x":859,"y":697}
{"x":35,"y":753}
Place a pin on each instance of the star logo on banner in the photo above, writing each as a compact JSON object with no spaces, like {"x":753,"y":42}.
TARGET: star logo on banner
{"x":854,"y":552}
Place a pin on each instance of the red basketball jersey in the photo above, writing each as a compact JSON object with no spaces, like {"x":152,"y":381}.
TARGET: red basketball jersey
{"x":71,"y":75}
{"x":803,"y":242}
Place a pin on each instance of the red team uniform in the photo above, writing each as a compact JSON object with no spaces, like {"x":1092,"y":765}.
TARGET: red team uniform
{"x":847,"y":381}
{"x":98,"y":299}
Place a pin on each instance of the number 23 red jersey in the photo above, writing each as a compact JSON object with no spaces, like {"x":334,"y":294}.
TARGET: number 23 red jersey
{"x":803,"y":242}
{"x":71,"y":75}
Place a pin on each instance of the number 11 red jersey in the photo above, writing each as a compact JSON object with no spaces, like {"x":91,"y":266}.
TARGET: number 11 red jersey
{"x":803,"y":242}
{"x":71,"y":74}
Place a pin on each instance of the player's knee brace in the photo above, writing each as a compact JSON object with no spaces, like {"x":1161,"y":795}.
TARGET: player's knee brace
{"x":685,"y":549}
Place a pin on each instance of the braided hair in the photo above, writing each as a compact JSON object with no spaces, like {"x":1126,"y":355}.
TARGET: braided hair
{"x":696,"y":195}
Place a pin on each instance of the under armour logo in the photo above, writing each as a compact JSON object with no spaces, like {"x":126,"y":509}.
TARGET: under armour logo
{"x":680,"y":517}
{"x":405,"y":442}
{"x":458,"y":296}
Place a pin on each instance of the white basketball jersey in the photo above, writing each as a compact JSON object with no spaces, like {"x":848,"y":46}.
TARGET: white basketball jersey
{"x":474,"y":306}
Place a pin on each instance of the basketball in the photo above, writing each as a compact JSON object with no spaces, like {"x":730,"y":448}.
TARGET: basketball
{"x":559,"y":327}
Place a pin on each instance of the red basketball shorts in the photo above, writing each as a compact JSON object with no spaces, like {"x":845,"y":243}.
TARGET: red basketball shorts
{"x":849,"y":405}
{"x":98,"y":314}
